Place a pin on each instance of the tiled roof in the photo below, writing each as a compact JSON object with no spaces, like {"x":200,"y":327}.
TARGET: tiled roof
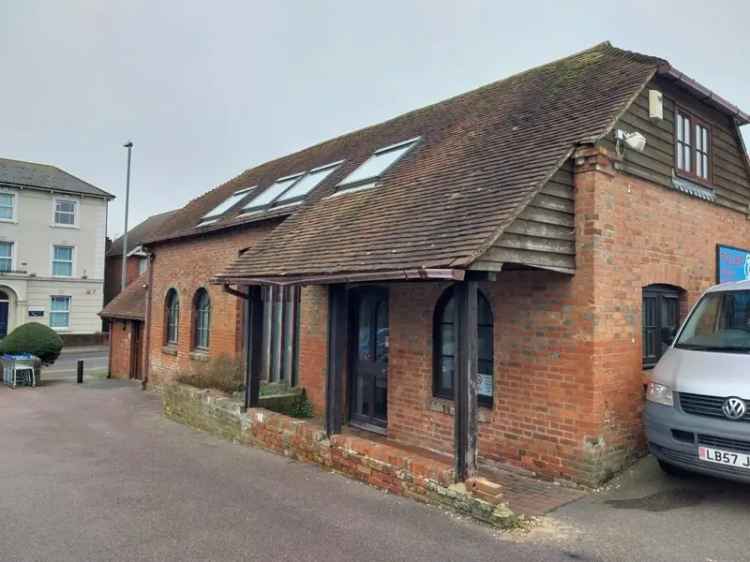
{"x":17,"y":173}
{"x":482,"y":157}
{"x":129,"y":304}
{"x":141,"y":232}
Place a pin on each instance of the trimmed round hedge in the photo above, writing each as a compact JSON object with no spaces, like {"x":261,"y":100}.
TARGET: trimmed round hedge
{"x":34,"y":338}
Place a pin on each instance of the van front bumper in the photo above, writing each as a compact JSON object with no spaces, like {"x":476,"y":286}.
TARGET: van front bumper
{"x":674,"y":437}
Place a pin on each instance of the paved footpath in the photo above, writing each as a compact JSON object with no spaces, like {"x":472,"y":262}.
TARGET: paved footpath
{"x":93,"y":472}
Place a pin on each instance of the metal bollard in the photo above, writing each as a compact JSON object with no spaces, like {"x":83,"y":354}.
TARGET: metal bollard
{"x":80,"y":371}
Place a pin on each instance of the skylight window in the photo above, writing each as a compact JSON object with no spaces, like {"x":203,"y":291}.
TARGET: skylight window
{"x":206,"y":222}
{"x":309,"y":182}
{"x":228,"y":203}
{"x":273,"y":191}
{"x":376,"y":165}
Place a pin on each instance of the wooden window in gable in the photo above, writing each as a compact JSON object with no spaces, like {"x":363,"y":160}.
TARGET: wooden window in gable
{"x":692,"y":147}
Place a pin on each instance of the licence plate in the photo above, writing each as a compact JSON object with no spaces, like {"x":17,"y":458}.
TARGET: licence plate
{"x":719,"y":456}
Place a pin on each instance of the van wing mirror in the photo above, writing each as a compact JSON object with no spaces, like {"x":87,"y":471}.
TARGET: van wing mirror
{"x":668,"y":335}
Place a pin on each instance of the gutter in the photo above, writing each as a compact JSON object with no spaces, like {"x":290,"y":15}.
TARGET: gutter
{"x":146,"y":355}
{"x":704,"y":93}
{"x":394,"y":275}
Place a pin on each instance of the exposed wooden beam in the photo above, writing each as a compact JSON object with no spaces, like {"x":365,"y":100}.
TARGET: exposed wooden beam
{"x":253,"y":343}
{"x":337,"y":348}
{"x":466,"y":381}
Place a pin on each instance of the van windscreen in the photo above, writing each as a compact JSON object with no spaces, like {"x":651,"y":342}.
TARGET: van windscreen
{"x":720,"y":322}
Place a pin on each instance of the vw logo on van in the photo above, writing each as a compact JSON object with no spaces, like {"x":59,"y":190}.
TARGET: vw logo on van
{"x":734,"y":408}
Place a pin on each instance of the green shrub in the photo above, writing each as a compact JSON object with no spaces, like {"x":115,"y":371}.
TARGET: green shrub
{"x":34,"y":338}
{"x":220,"y":373}
{"x":299,"y":407}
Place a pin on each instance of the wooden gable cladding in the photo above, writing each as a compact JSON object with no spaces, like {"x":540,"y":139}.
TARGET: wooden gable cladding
{"x":543,"y":235}
{"x":730,"y":177}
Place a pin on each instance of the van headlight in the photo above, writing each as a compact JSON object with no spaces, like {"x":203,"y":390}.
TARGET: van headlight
{"x":659,"y":394}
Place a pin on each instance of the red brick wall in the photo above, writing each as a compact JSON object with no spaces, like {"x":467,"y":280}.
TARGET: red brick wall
{"x":568,"y":377}
{"x":121,"y":334}
{"x":313,"y":345}
{"x":187,"y":266}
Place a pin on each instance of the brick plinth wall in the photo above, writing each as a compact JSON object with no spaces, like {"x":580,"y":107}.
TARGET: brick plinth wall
{"x":377,"y":464}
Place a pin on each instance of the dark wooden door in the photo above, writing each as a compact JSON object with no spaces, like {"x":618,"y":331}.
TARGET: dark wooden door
{"x":135,"y":352}
{"x":3,"y":319}
{"x":369,"y":358}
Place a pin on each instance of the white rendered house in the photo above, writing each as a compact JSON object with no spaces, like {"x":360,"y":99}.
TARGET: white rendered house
{"x":53,"y":229}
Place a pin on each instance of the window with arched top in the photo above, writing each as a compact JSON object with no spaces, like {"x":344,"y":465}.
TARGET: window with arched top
{"x":444,"y":342}
{"x":172,"y":316}
{"x":201,"y":319}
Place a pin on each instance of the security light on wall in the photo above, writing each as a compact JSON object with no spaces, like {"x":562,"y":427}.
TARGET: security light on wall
{"x":634,"y":140}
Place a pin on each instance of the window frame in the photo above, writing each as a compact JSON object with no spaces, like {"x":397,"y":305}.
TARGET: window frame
{"x":344,"y":185}
{"x":72,"y":262}
{"x":291,"y":179}
{"x":172,"y":295}
{"x":279,"y":358}
{"x":52,"y":311}
{"x":658,"y":292}
{"x":212,"y":216}
{"x":437,"y":390}
{"x":14,"y":206}
{"x":76,"y":212}
{"x":199,"y":317}
{"x":695,"y":122}
{"x":329,"y":168}
{"x":12,"y":256}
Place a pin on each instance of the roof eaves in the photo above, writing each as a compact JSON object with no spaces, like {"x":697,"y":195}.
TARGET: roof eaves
{"x":704,"y":93}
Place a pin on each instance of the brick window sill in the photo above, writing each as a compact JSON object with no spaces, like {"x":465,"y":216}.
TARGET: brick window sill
{"x":199,"y":355}
{"x":443,"y":406}
{"x":169,"y":350}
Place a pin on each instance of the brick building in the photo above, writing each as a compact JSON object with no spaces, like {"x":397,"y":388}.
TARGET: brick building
{"x":488,"y":277}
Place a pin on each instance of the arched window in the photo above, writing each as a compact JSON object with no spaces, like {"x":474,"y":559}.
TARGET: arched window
{"x":172,"y":316}
{"x":201,"y":319}
{"x":661,"y":319}
{"x":444,"y":342}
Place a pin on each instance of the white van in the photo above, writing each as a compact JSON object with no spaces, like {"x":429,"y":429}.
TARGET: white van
{"x":697,"y":414}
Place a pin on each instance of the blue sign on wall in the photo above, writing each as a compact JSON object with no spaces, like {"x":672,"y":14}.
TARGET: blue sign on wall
{"x":732,"y":264}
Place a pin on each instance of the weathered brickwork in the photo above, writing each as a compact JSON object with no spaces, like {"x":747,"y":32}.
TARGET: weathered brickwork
{"x":568,"y":376}
{"x":187,"y":266}
{"x":401,"y":472}
{"x":121,"y":334}
{"x":313,"y":344}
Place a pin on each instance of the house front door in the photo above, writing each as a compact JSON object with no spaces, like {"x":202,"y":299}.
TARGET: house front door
{"x":369,"y":358}
{"x":4,"y":304}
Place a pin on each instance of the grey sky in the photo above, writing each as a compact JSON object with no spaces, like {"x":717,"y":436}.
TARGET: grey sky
{"x":208,"y":89}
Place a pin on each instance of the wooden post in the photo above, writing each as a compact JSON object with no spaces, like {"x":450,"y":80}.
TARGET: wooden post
{"x":466,"y":381}
{"x":337,"y":337}
{"x":253,"y":343}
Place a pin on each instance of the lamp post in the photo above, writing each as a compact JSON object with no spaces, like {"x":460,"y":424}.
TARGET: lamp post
{"x":129,"y":146}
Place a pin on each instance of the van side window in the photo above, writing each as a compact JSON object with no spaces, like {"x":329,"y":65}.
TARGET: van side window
{"x":661,"y":319}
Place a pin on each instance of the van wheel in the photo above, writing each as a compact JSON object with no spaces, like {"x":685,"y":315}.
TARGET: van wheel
{"x":671,"y":469}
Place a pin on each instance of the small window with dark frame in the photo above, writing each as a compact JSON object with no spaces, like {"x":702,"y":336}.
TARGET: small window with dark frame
{"x":280,"y":334}
{"x":661,"y":319}
{"x":692,"y":146}
{"x":172,"y":317}
{"x":202,"y":320}
{"x":444,"y":341}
